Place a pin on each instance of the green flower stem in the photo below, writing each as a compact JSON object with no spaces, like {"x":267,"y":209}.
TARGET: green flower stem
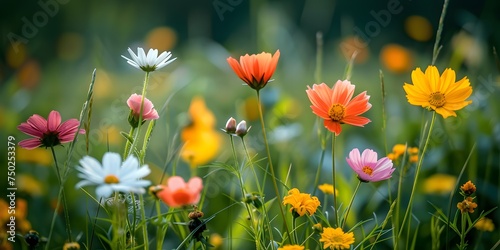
{"x":259,"y":188}
{"x":417,"y":172}
{"x":273,"y":176}
{"x":143,"y":219}
{"x":320,"y":164}
{"x":128,"y":143}
{"x":437,"y":48}
{"x":143,"y":96}
{"x":243,"y":193}
{"x":463,"y":245}
{"x":294,"y":228}
{"x":334,"y":139}
{"x":350,"y":204}
{"x":61,"y":196}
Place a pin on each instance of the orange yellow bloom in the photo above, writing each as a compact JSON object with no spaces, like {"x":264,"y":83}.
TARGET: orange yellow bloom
{"x":467,"y":205}
{"x":201,"y":139}
{"x":468,"y":188}
{"x":439,"y":93}
{"x":485,"y":224}
{"x":335,"y":238}
{"x":291,"y":247}
{"x":336,"y":106}
{"x":439,"y":184}
{"x":327,"y":189}
{"x":302,"y":203}
{"x":255,"y":70}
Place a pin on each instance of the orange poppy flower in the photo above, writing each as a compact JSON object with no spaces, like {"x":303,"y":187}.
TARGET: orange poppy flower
{"x":255,"y":70}
{"x":335,"y":106}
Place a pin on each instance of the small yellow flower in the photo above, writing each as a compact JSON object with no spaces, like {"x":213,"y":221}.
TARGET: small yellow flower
{"x":438,"y":92}
{"x":335,"y":238}
{"x":468,"y":188}
{"x":39,"y":156}
{"x":328,"y":189}
{"x":392,"y":156}
{"x":439,"y":184}
{"x":71,"y":246}
{"x":302,"y":203}
{"x":413,"y":158}
{"x":399,"y":149}
{"x":318,"y":227}
{"x":216,"y":241}
{"x":485,"y":224}
{"x":467,"y":205}
{"x":413,"y":150}
{"x":291,"y":247}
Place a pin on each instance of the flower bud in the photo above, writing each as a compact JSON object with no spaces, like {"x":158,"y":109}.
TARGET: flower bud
{"x":241,"y":129}
{"x":230,"y":126}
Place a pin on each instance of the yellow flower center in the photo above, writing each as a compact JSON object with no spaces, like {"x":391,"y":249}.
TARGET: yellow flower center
{"x":111,"y":179}
{"x":437,"y":99}
{"x":337,"y":112}
{"x":368,"y":170}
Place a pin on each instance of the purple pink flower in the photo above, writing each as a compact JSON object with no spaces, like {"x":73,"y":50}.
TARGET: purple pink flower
{"x":368,"y":167}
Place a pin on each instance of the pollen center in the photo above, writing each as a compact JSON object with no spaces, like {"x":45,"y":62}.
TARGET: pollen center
{"x":111,"y":179}
{"x":337,"y":112}
{"x":437,"y":99}
{"x":367,"y":170}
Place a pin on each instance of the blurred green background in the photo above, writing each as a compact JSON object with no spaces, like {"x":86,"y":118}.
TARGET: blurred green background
{"x":50,"y":48}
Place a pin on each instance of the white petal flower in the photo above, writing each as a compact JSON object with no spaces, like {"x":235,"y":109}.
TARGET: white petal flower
{"x":113,"y":175}
{"x":149,"y":62}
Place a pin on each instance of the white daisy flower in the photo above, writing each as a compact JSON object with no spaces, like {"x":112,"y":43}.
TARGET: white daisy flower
{"x":112,"y":175}
{"x":149,"y":62}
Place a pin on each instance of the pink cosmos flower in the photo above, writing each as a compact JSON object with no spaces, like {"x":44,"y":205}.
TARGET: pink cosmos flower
{"x":50,"y":132}
{"x":336,"y":105}
{"x":368,"y":167}
{"x":148,"y":113}
{"x":178,"y":193}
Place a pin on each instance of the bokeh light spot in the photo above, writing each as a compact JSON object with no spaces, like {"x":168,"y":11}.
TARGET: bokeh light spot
{"x":396,"y":58}
{"x":161,"y":38}
{"x":70,"y":46}
{"x":418,"y":28}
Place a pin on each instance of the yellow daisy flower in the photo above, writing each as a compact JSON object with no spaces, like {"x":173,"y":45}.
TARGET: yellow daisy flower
{"x":335,"y":238}
{"x":439,"y":93}
{"x":302,"y":203}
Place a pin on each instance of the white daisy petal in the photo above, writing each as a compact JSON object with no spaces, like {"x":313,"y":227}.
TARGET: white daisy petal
{"x":128,"y":174}
{"x":104,"y":191}
{"x":148,"y":62}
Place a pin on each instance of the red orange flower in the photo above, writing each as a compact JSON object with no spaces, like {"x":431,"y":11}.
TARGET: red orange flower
{"x":336,"y":105}
{"x":178,"y":193}
{"x":255,"y":70}
{"x":50,"y":132}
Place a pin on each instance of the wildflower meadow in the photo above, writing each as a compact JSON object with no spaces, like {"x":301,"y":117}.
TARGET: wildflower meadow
{"x":245,"y":125}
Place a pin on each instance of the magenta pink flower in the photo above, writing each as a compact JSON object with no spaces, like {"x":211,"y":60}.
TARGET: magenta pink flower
{"x":368,"y":167}
{"x":178,"y":193}
{"x":148,"y":113}
{"x":50,"y":132}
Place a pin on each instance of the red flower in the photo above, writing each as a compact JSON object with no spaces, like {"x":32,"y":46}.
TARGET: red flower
{"x":50,"y":132}
{"x":178,"y":193}
{"x":255,"y":70}
{"x":335,"y":106}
